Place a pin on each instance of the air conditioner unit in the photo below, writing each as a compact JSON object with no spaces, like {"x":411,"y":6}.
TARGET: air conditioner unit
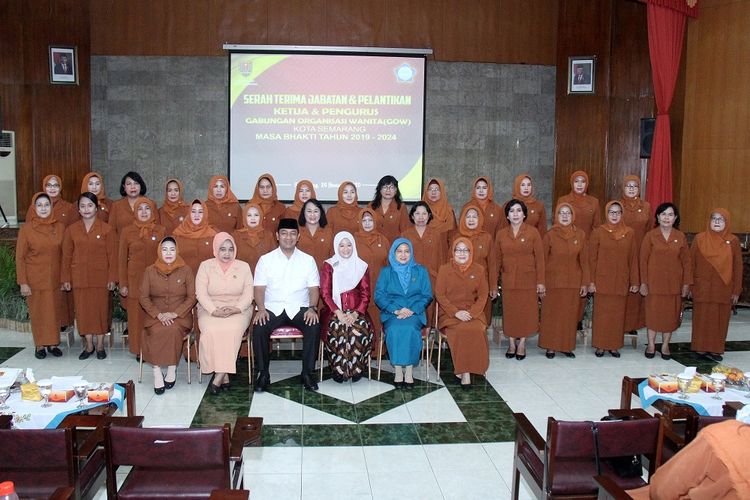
{"x":8,"y":177}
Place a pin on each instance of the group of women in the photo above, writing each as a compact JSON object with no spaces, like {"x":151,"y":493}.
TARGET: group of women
{"x":71,"y":257}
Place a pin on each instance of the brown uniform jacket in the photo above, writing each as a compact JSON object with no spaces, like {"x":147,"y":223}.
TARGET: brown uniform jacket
{"x":485,"y":254}
{"x":63,"y":211}
{"x":169,"y":223}
{"x":493,"y":216}
{"x":707,"y":284}
{"x":319,"y":246}
{"x":225,"y":217}
{"x":566,"y":261}
{"x":665,"y":264}
{"x":121,"y":215}
{"x":38,"y":255}
{"x":195,"y":250}
{"x":638,"y":219}
{"x":375,"y":254}
{"x":613,"y":264}
{"x":89,"y":259}
{"x":135,"y":254}
{"x":251,"y":253}
{"x":586,"y":209}
{"x":536,"y":217}
{"x":430,"y":250}
{"x":338,"y":222}
{"x":168,"y":293}
{"x":520,"y":259}
{"x":271,"y":218}
{"x":393,"y":222}
{"x":456,"y":291}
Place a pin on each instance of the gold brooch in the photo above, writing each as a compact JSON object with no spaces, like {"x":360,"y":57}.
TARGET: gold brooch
{"x":97,"y":236}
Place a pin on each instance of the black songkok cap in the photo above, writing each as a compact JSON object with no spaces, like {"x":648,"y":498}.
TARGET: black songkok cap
{"x":288,"y":223}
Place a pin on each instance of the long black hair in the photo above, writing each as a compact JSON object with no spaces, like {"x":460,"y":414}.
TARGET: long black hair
{"x":387,"y":180}
{"x":323,"y":220}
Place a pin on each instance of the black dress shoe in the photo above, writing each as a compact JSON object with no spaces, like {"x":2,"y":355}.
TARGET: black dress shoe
{"x":357,"y":377}
{"x":226,"y":386}
{"x":466,"y":387}
{"x":338,"y":378}
{"x":55,"y":351}
{"x":579,"y":326}
{"x":649,"y":355}
{"x":101,"y":354}
{"x":40,"y":353}
{"x":85,"y":354}
{"x":570,"y":354}
{"x":510,"y":355}
{"x":550,"y":354}
{"x":398,"y":385}
{"x":713,"y":357}
{"x":262,"y":382}
{"x":599,"y":353}
{"x":169,"y":385}
{"x":614,"y":354}
{"x":407,"y":385}
{"x":665,"y":357}
{"x":309,"y":382}
{"x":159,"y":390}
{"x":520,"y":357}
{"x":214,"y":389}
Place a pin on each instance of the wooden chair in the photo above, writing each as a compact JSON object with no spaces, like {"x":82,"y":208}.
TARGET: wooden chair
{"x":190,"y":340}
{"x":247,"y":432}
{"x":563,"y":466}
{"x":6,"y":421}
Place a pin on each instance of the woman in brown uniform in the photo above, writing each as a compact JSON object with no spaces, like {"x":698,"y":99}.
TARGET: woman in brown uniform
{"x":174,"y":210}
{"x":520,"y":257}
{"x":167,"y":297}
{"x":138,"y":244}
{"x":266,"y":198}
{"x":224,"y":210}
{"x":253,"y":240}
{"x":391,"y":214}
{"x":89,"y":268}
{"x":343,"y":215}
{"x":567,"y":278}
{"x":483,"y":252}
{"x":461,"y":292}
{"x":637,"y":216}
{"x":481,"y":196}
{"x":443,"y":215}
{"x":585,"y":206}
{"x":523,"y":190}
{"x":666,"y":276}
{"x":195,"y":236}
{"x":315,"y":237}
{"x":303,"y":191}
{"x":93,"y":182}
{"x":717,"y":275}
{"x":372,"y":247}
{"x":614,"y":271}
{"x":122,"y":212}
{"x":38,"y":255}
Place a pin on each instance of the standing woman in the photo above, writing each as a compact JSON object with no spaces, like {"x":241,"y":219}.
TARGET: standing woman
{"x":666,"y":276}
{"x":567,"y":278}
{"x":167,"y":297}
{"x":636,"y":214}
{"x":402,"y":294}
{"x":265,"y":196}
{"x":585,"y":206}
{"x":174,"y":210}
{"x":613,"y":266}
{"x":483,"y":253}
{"x":38,"y":255}
{"x":195,"y":236}
{"x":346,"y":330}
{"x":717,"y":274}
{"x":224,"y":210}
{"x":429,"y":247}
{"x":224,"y":288}
{"x":62,"y":210}
{"x":372,"y":247}
{"x":343,"y":215}
{"x":315,"y":238}
{"x":253,"y":240}
{"x":391,"y":215}
{"x":138,"y":244}
{"x":94,"y":183}
{"x":89,"y":268}
{"x":523,"y":190}
{"x":303,"y":191}
{"x":122,"y":213}
{"x":520,"y":256}
{"x":461,"y":291}
{"x":482,"y":196}
{"x":436,"y":197}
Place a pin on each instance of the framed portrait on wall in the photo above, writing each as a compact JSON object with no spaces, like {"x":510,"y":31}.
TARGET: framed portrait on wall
{"x":581,"y":72}
{"x":63,"y":65}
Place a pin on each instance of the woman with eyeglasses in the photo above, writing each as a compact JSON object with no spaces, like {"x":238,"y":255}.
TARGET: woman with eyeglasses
{"x":636,"y":214}
{"x":461,"y":292}
{"x":717,"y":284}
{"x":666,"y":276}
{"x":391,"y":214}
{"x":613,"y":265}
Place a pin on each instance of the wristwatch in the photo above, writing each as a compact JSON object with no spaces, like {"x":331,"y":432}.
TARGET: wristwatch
{"x":314,"y":308}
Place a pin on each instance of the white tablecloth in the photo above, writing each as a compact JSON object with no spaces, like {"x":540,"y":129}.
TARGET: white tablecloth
{"x":702,"y":402}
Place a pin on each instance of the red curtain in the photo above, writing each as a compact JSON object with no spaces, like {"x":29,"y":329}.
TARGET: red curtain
{"x":666,"y":30}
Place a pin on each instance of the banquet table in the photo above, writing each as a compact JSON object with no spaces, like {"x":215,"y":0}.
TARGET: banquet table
{"x":702,"y":402}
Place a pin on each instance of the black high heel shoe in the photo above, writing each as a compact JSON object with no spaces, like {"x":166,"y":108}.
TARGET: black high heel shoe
{"x":511,"y":355}
{"x":169,"y":385}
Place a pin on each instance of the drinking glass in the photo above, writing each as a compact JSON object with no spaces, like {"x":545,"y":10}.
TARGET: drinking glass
{"x":81,"y":390}
{"x":747,"y":383}
{"x":717,"y":380}
{"x":45,"y":388}
{"x":683,"y":383}
{"x":4,"y":395}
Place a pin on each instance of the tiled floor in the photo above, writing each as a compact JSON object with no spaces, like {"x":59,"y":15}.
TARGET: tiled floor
{"x":369,"y":440}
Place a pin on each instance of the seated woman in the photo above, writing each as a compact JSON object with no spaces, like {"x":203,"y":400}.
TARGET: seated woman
{"x":224,"y":288}
{"x":167,"y":295}
{"x":347,"y":330}
{"x":461,"y":292}
{"x":402,"y":293}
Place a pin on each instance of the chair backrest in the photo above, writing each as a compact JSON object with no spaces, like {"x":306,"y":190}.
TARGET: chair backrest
{"x":696,"y":423}
{"x":569,"y":464}
{"x":619,"y":438}
{"x":38,"y":461}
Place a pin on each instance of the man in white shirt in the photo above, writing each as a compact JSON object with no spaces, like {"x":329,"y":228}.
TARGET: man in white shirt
{"x":287,"y":287}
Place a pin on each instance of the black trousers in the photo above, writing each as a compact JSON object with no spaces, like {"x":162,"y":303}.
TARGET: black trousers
{"x":310,"y":341}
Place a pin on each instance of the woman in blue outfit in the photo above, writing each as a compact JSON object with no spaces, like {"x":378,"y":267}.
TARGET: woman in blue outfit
{"x":402,"y":293}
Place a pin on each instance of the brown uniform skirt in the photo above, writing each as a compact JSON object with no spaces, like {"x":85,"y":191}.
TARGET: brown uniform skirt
{"x":469,"y":347}
{"x":635,"y":312}
{"x":520,"y":313}
{"x":44,"y":309}
{"x":162,"y":345}
{"x":663,"y":312}
{"x":92,"y":310}
{"x":710,"y":326}
{"x":559,"y":319}
{"x":609,"y":318}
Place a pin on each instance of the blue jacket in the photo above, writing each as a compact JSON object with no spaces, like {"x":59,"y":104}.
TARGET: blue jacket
{"x":390,"y":296}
